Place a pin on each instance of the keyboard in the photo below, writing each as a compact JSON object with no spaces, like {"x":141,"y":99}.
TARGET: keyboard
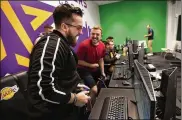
{"x":114,"y":108}
{"x":120,"y":73}
{"x":118,"y":62}
{"x":178,"y":111}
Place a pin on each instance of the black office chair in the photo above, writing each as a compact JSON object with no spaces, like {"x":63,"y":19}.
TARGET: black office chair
{"x":13,"y":103}
{"x":22,"y":81}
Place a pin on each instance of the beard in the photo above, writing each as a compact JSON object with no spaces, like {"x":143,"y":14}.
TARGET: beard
{"x":72,"y":40}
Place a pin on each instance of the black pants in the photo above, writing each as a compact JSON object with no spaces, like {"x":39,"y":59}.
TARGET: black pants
{"x":90,"y":78}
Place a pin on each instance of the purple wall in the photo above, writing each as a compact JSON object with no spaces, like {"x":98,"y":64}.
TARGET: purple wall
{"x":11,"y":41}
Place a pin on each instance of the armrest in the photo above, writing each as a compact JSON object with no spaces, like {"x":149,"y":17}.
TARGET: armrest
{"x":107,"y":64}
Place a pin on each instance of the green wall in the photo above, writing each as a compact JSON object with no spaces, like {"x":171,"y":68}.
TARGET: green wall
{"x":129,"y":18}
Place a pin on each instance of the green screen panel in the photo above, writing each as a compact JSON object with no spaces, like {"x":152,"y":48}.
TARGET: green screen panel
{"x":130,"y":18}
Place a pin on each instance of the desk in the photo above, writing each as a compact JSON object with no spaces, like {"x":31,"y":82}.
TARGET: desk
{"x":118,"y":83}
{"x":178,"y":55}
{"x":105,"y":92}
{"x":122,"y":59}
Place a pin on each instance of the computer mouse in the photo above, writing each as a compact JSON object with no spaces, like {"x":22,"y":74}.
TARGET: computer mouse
{"x":116,"y":85}
{"x":126,"y":83}
{"x":123,"y":63}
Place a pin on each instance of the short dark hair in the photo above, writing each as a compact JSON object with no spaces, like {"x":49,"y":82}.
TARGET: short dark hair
{"x":64,"y":12}
{"x":110,"y":37}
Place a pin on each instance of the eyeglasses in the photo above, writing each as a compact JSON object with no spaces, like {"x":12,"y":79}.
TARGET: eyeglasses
{"x":79,"y":27}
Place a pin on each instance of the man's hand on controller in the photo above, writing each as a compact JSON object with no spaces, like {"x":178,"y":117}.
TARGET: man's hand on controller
{"x":83,"y":87}
{"x":82,"y":98}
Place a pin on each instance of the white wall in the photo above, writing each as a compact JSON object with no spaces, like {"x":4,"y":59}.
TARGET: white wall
{"x":91,"y":10}
{"x":92,"y":13}
{"x":173,"y":10}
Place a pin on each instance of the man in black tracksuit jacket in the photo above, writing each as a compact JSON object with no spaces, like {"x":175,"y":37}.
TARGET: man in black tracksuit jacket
{"x":53,"y":77}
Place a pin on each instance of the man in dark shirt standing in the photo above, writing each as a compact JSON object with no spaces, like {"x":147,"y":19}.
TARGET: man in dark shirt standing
{"x":53,"y":77}
{"x":150,"y":39}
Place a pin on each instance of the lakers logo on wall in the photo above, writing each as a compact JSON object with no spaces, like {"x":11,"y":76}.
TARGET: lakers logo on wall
{"x":22,"y":21}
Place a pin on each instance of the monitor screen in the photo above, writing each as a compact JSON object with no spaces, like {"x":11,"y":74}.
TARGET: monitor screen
{"x":135,"y":46}
{"x":129,"y":42}
{"x":141,"y":54}
{"x":146,"y":101}
{"x":168,"y":89}
{"x":165,"y":80}
{"x":130,"y":56}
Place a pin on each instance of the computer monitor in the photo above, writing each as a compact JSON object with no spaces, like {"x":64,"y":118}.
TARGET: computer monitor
{"x":135,"y":46}
{"x":178,"y":35}
{"x":141,"y":54}
{"x":168,"y":89}
{"x":144,"y":92}
{"x":130,"y":56}
{"x":128,"y":41}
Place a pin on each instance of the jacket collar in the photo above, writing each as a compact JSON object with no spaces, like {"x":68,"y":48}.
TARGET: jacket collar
{"x":61,"y":35}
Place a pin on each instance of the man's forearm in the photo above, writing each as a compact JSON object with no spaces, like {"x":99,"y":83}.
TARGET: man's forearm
{"x":109,"y":60}
{"x":101,"y":64}
{"x":149,"y":35}
{"x":72,"y":98}
{"x":83,"y":63}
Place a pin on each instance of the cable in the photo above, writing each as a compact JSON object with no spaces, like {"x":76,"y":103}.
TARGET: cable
{"x":132,"y":74}
{"x":102,"y":82}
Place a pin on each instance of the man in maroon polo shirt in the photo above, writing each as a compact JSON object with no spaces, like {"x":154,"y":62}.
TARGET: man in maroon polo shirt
{"x":90,"y":58}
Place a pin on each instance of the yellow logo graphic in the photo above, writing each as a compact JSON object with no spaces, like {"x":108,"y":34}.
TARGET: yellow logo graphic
{"x":3,"y":51}
{"x":8,"y":92}
{"x":40,"y":17}
{"x":22,"y":60}
{"x":16,"y":24}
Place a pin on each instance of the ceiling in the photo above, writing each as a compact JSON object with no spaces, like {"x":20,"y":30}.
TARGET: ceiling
{"x":105,"y":2}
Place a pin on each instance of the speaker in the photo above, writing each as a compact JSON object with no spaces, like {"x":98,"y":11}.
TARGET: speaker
{"x":178,"y":36}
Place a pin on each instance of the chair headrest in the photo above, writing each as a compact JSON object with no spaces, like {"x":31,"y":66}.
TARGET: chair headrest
{"x":7,"y":80}
{"x":22,"y":80}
